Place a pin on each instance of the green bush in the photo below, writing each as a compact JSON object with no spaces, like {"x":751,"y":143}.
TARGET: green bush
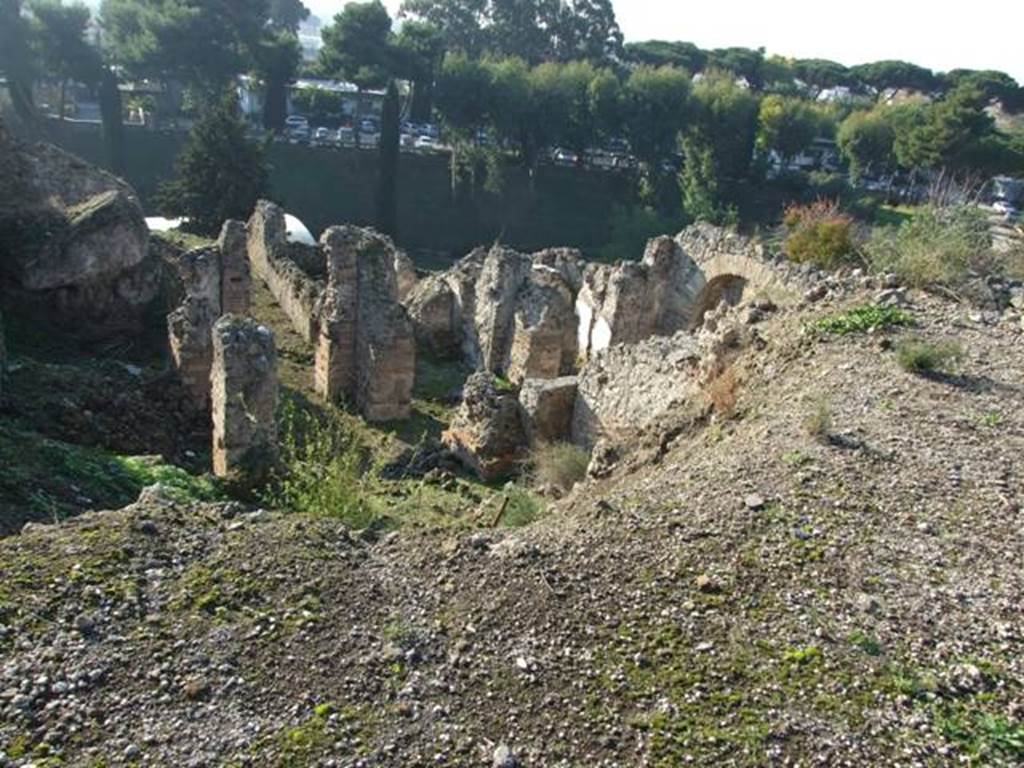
{"x":923,"y":357}
{"x":819,"y":234}
{"x":522,"y":507}
{"x":561,"y":465}
{"x":937,"y":247}
{"x":322,"y":470}
{"x":866,"y":319}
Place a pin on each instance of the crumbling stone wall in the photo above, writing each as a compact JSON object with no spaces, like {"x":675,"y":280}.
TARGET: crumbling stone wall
{"x":627,"y":387}
{"x":487,"y":434}
{"x":506,"y":312}
{"x":190,"y":326}
{"x":244,"y":394}
{"x":544,"y":343}
{"x":295,"y":291}
{"x":366,"y":348}
{"x":236,"y":278}
{"x":547,"y":406}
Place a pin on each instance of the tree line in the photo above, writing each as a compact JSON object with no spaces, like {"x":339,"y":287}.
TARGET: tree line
{"x":534,"y":74}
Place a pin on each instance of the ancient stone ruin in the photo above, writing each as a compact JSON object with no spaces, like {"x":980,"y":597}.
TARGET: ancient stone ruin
{"x":190,"y":326}
{"x":73,"y":242}
{"x":547,"y":406}
{"x":295,"y":290}
{"x":487,"y":434}
{"x":503,"y":312}
{"x":244,"y":395}
{"x":236,"y":277}
{"x":366,"y":350}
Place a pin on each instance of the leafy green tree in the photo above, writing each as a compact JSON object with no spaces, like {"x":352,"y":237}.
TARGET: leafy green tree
{"x":463,"y":93}
{"x":16,"y":59}
{"x":510,"y":105}
{"x":866,"y":140}
{"x":204,"y":45}
{"x":698,"y":182}
{"x":663,"y":53}
{"x":994,"y":84}
{"x":656,"y":104}
{"x":587,"y":30}
{"x":743,"y":62}
{"x":521,"y":28}
{"x":287,"y":15}
{"x":276,"y":60}
{"x":358,"y":45}
{"x":821,"y":74}
{"x":220,"y":173}
{"x":883,"y":75}
{"x":387,"y":183}
{"x":786,"y":125}
{"x":945,"y":134}
{"x":725,"y":119}
{"x":419,"y":49}
{"x":605,"y":96}
{"x":461,"y":22}
{"x":60,"y":38}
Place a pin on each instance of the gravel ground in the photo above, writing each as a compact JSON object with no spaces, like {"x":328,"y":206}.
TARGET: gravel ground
{"x":829,"y":576}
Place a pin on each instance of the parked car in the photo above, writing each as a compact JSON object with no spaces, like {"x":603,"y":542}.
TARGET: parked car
{"x":564,"y":157}
{"x":407,"y":141}
{"x":346,"y":136}
{"x":1006,"y":208}
{"x":369,"y":125}
{"x":322,"y":135}
{"x":369,"y":140}
{"x":427,"y":144}
{"x":296,"y":121}
{"x":298,"y":134}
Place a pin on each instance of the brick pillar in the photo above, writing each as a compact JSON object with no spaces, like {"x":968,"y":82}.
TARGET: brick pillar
{"x":244,"y":389}
{"x":236,"y":280}
{"x":335,"y":373}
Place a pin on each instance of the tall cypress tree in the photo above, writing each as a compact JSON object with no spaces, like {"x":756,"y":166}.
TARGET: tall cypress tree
{"x":387,"y":183}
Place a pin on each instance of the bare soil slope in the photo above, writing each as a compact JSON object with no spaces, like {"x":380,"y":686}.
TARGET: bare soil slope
{"x":832,"y":576}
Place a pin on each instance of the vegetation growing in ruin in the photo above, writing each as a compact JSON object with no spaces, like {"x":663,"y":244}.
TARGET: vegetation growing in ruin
{"x":923,"y":357}
{"x":865,"y":319}
{"x":560,"y":465}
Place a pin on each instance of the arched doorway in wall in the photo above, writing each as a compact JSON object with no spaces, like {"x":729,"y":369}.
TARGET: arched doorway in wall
{"x":723,"y":288}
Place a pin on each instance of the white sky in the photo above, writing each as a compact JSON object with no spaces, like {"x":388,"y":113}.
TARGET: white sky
{"x":938,"y":34}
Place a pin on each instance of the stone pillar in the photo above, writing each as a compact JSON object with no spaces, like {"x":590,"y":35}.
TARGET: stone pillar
{"x":190,"y":326}
{"x":244,"y":388}
{"x":335,"y":372}
{"x":366,"y":348}
{"x":236,"y":281}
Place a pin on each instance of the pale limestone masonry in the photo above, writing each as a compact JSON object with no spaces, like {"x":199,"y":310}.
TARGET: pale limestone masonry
{"x":544,"y":331}
{"x":502,"y":277}
{"x":236,"y":280}
{"x":245,"y":391}
{"x":627,"y":387}
{"x":190,"y":326}
{"x":366,"y":349}
{"x":298,"y":294}
{"x":503,"y":311}
{"x":548,"y":409}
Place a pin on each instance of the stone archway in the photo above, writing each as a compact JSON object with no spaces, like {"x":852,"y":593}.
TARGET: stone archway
{"x":728,"y":288}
